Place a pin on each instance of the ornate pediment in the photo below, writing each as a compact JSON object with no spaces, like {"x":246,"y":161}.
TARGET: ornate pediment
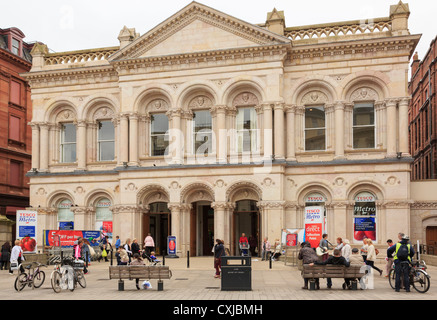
{"x":197,"y":28}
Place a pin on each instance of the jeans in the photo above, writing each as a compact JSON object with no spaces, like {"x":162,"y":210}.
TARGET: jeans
{"x":402,"y":269}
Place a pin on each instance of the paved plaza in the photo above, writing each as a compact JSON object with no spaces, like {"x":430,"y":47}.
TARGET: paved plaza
{"x":282,"y":282}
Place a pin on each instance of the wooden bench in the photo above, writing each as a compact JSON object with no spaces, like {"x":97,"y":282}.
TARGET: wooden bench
{"x":140,"y":272}
{"x":355,"y":273}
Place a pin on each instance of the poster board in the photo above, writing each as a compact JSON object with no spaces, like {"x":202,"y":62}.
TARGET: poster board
{"x":26,"y":229}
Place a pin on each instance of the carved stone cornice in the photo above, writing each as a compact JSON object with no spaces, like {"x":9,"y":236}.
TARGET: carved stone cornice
{"x":272,"y":204}
{"x":125,"y":209}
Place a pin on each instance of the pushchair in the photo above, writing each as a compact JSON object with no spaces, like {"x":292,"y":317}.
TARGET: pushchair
{"x":152,"y":261}
{"x":244,"y":249}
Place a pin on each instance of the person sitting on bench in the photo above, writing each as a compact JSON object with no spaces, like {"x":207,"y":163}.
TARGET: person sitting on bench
{"x":336,"y":260}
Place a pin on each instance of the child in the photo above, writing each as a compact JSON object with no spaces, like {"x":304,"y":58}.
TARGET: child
{"x":153,"y":257}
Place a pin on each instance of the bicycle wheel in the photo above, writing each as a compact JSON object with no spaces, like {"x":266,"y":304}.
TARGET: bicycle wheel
{"x":55,"y":280}
{"x":420,"y":281}
{"x":392,"y":278}
{"x":39,"y":279}
{"x":20,"y":281}
{"x":81,"y":278}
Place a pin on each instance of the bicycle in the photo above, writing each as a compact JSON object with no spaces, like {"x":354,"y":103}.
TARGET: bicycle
{"x":34,"y":278}
{"x":67,"y":276}
{"x":419,"y":278}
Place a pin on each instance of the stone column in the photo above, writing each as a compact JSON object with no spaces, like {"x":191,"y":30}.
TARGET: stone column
{"x":81,"y":145}
{"x":339,"y":222}
{"x":176,"y":136}
{"x":35,"y":145}
{"x":221,"y":134}
{"x":339,"y":130}
{"x":279,"y":131}
{"x":175,"y":209}
{"x":403,"y":126}
{"x":219,"y":219}
{"x":133,"y":139}
{"x":44,"y":142}
{"x":268,"y":131}
{"x":124,"y":139}
{"x":348,"y":125}
{"x":290,"y":132}
{"x":391,"y":128}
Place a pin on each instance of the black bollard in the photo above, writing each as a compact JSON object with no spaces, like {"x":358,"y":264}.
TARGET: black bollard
{"x":188,"y":259}
{"x":111,"y":257}
{"x":270,"y":262}
{"x":163,"y":257}
{"x":86,"y":259}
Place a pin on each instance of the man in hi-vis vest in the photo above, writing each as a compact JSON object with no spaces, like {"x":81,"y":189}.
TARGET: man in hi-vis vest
{"x":402,"y":253}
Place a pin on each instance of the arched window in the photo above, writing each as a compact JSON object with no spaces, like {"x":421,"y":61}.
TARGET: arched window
{"x":365,"y":217}
{"x":68,"y":143}
{"x":65,"y":215}
{"x":364,"y":125}
{"x":106,"y":141}
{"x":315,"y":128}
{"x":158,"y":134}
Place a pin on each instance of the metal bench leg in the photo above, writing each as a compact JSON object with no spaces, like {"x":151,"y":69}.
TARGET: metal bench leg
{"x":120,"y":285}
{"x":312,"y":284}
{"x":160,"y":285}
{"x":354,"y":285}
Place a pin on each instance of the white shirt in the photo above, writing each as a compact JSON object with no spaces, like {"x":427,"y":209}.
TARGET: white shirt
{"x":16,"y":250}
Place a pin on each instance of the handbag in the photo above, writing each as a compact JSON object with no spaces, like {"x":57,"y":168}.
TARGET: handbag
{"x":14,"y":265}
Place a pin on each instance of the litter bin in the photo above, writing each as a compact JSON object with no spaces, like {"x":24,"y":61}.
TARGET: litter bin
{"x":236,"y":274}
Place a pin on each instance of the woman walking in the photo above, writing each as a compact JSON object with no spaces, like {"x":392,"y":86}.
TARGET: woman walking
{"x":5,"y":255}
{"x":17,"y":256}
{"x":219,"y":252}
{"x":371,"y":256}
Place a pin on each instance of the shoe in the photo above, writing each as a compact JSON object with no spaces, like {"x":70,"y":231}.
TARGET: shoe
{"x":380,"y":272}
{"x":305,"y":288}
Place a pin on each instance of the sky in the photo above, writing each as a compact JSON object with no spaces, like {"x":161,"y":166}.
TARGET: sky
{"x":85,"y":24}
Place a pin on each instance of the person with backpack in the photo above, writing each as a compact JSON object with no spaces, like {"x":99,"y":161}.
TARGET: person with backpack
{"x":402,"y":253}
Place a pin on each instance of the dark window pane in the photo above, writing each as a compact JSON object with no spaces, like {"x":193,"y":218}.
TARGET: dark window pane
{"x":364,"y":114}
{"x":159,"y":144}
{"x":315,"y":140}
{"x":364,"y":137}
{"x":314,"y":117}
{"x":202,"y":120}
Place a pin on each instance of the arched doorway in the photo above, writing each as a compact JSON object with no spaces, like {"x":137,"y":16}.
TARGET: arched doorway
{"x":246,"y":216}
{"x":158,"y":222}
{"x":156,"y":217}
{"x":199,"y":237}
{"x":246,"y":220}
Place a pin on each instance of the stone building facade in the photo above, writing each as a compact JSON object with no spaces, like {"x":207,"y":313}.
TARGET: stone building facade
{"x":208,"y":126}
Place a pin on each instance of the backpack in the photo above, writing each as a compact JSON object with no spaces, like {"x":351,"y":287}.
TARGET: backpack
{"x":403,"y":252}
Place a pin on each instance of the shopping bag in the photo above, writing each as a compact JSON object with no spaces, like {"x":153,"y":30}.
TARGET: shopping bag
{"x":104,"y":253}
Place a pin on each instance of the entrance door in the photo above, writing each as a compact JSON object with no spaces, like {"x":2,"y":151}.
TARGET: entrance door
{"x":202,"y":229}
{"x":246,"y":219}
{"x":431,"y":240}
{"x":158,"y":222}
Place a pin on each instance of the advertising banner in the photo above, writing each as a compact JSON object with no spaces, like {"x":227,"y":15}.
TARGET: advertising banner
{"x":105,"y":228}
{"x":26,"y":229}
{"x":66,"y":238}
{"x":292,"y":237}
{"x":171,"y":245}
{"x":314,"y":218}
{"x":364,"y":228}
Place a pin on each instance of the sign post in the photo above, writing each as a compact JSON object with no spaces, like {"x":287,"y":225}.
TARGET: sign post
{"x":314,"y":220}
{"x":26,"y":229}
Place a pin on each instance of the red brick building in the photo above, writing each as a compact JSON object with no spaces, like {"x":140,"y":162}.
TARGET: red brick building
{"x":423,"y":115}
{"x":15,"y":113}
